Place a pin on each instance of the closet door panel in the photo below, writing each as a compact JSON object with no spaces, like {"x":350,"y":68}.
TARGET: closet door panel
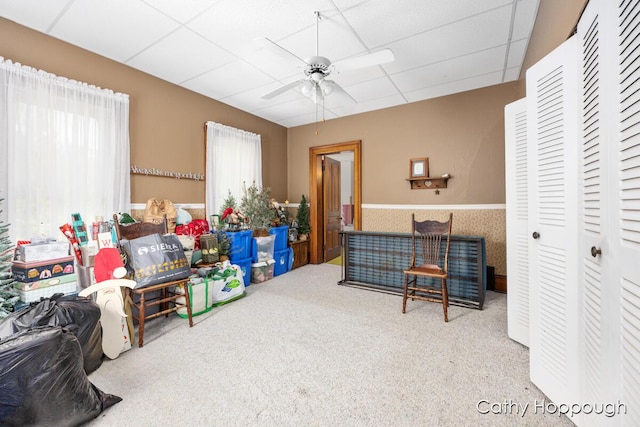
{"x":553,"y":153}
{"x":596,"y":373}
{"x":627,"y":212}
{"x":516,"y":174}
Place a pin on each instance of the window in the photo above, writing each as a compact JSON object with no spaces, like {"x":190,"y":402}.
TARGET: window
{"x":233,"y":159}
{"x":65,"y":149}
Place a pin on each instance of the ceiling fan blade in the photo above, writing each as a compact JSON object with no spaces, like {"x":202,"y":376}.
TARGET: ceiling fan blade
{"x":274,"y":47}
{"x":343,"y":94}
{"x":281,"y":89}
{"x":376,"y":58}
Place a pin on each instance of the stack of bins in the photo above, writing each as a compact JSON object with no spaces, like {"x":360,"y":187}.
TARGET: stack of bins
{"x":240,"y":247}
{"x":281,"y":251}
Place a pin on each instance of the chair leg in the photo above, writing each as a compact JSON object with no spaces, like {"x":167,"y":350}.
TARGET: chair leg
{"x":404,"y":294}
{"x":187,"y":301}
{"x":445,"y":300}
{"x":141,"y":316}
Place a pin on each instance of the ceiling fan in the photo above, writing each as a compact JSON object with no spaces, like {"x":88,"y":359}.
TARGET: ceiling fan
{"x":317,"y":68}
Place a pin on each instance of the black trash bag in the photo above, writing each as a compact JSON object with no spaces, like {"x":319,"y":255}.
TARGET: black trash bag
{"x":78,"y":314}
{"x":42,"y":381}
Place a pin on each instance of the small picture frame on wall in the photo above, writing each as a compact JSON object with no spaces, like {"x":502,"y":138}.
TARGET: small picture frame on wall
{"x":419,"y":167}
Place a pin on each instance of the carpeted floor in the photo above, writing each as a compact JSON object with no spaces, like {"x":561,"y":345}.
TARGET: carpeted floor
{"x":300,"y":350}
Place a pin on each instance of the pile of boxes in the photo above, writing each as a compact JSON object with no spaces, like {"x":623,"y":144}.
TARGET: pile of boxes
{"x":43,"y":269}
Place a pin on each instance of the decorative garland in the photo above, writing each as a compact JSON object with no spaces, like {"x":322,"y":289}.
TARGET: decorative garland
{"x":169,"y":174}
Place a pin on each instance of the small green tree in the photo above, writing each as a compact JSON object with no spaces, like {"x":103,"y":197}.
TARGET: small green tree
{"x":302,"y":217}
{"x":229,"y":202}
{"x":8,"y":295}
{"x":255,"y":206}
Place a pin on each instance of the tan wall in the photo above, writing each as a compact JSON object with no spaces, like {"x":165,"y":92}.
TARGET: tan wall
{"x":461,"y":134}
{"x":166,"y":122}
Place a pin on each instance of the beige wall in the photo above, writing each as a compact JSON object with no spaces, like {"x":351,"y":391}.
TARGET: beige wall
{"x":461,"y":134}
{"x":166,"y":122}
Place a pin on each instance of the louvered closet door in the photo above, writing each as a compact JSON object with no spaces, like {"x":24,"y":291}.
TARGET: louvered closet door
{"x":626,"y":209}
{"x":553,"y":153}
{"x":600,"y":343}
{"x":515,"y":124}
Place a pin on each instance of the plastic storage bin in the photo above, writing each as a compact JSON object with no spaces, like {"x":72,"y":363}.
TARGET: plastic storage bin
{"x":240,"y":244}
{"x":282,"y":262}
{"x":262,"y":271}
{"x":263,"y":248}
{"x":282,"y":237}
{"x":245,"y":266}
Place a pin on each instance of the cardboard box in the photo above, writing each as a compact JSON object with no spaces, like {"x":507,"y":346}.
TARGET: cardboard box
{"x":34,"y":252}
{"x":39,"y":284}
{"x":49,"y":291}
{"x":34,"y":271}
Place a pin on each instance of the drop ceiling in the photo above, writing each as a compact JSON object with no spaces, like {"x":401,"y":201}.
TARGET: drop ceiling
{"x":221,"y":48}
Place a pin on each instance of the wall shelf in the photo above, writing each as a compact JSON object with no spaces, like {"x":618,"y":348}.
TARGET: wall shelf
{"x":428,"y":183}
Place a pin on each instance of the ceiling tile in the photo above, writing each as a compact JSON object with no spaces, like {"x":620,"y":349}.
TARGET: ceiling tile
{"x":464,"y":67}
{"x":22,"y":12}
{"x":183,"y":10}
{"x":473,"y":34}
{"x":405,"y":18}
{"x":117,"y":29}
{"x":236,"y":77}
{"x":181,"y":56}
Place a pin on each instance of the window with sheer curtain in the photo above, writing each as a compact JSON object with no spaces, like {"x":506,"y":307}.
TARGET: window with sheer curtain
{"x":64,"y":148}
{"x":233,"y":159}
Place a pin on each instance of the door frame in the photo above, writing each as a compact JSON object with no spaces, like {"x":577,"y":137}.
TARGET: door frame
{"x":316,"y":204}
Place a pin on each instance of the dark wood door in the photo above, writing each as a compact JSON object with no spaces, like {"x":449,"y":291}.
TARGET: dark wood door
{"x":332,"y":216}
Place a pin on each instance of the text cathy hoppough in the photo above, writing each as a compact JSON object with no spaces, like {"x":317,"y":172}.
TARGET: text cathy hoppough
{"x":510,"y":407}
{"x":170,"y":174}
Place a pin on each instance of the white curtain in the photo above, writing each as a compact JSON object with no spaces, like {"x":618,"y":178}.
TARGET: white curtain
{"x":234,"y":159}
{"x":65,"y":149}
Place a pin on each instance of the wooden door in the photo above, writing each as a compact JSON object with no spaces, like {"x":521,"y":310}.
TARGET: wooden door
{"x":552,"y":99}
{"x":332,"y":209}
{"x":515,"y":124}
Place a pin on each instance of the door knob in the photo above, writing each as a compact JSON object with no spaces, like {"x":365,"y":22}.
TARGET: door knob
{"x":595,"y":251}
{"x":535,"y":235}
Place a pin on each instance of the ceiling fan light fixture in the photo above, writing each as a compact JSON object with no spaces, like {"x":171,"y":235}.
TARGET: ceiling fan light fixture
{"x":326,"y":86}
{"x":307,"y":87}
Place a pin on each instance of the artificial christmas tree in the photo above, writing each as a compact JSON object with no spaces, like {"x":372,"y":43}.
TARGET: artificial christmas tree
{"x":8,"y":295}
{"x":302,"y":218}
{"x":256,"y":207}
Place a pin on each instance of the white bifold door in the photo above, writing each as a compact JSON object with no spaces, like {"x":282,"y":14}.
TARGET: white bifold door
{"x":517,"y":194}
{"x":580,"y":266}
{"x":553,"y":152}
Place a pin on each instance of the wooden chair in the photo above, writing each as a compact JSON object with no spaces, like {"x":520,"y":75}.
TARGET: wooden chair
{"x":165,"y":295}
{"x":426,"y":241}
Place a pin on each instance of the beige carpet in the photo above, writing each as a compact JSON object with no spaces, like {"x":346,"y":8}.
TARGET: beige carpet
{"x":300,"y":350}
